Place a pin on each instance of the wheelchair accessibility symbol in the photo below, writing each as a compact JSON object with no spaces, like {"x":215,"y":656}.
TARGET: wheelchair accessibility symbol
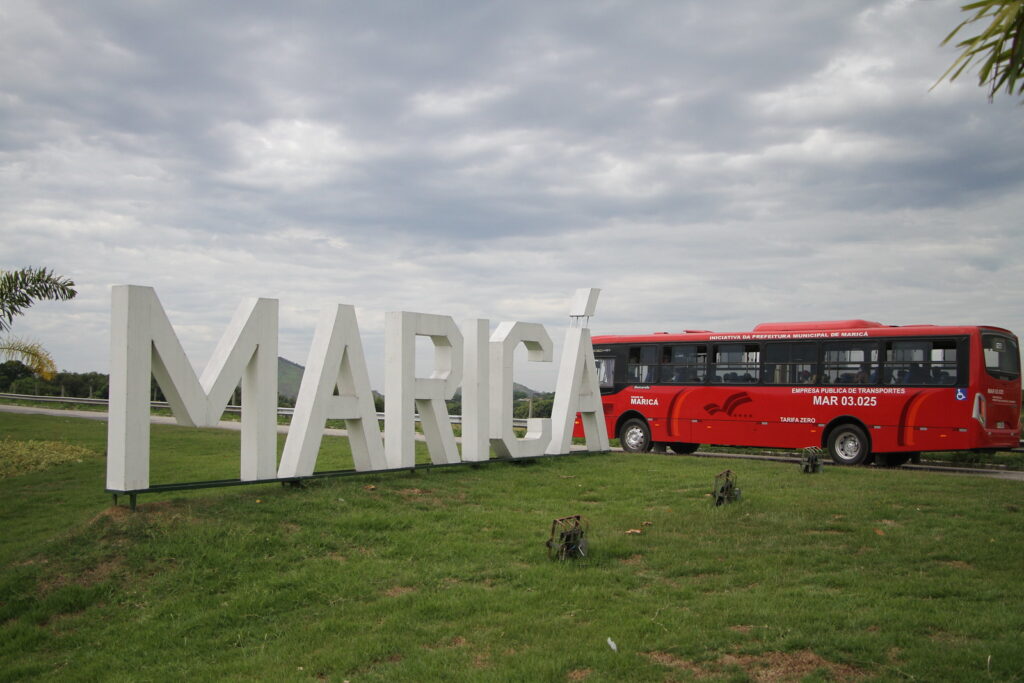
{"x":961,"y":394}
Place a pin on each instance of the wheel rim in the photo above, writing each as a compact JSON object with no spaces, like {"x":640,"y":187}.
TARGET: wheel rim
{"x":848,"y":446}
{"x":634,"y":438}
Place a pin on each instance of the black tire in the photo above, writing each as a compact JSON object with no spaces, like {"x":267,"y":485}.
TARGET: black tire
{"x":684,"y":448}
{"x":848,"y":445}
{"x":635,"y":436}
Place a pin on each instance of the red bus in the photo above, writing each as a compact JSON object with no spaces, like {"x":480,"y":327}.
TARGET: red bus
{"x":856,"y":388}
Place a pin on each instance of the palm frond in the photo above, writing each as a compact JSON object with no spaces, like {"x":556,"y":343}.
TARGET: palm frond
{"x":20,"y":288}
{"x":30,"y":353}
{"x":998,"y":47}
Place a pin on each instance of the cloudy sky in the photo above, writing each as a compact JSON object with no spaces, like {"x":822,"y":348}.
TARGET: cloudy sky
{"x":708,"y":166}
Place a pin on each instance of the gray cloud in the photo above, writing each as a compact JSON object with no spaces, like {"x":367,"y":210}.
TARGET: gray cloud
{"x":707,"y":168}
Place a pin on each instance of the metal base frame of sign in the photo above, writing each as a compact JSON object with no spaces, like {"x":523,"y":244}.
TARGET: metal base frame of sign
{"x":132,"y":498}
{"x":297,"y":481}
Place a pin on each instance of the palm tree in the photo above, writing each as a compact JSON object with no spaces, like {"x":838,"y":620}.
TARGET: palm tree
{"x":19,"y":289}
{"x":999,"y":46}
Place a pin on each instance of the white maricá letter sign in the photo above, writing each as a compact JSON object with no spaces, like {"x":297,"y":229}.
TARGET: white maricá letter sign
{"x":144,"y":345}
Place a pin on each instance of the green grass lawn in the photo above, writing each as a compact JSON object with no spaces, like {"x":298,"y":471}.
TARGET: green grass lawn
{"x":851,"y":574}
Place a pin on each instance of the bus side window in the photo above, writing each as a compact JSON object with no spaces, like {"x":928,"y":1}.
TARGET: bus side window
{"x":605,"y":372}
{"x":929,"y":361}
{"x":737,"y":363}
{"x":850,"y":363}
{"x":684,"y":364}
{"x":944,"y":366}
{"x":640,"y":364}
{"x":791,"y":363}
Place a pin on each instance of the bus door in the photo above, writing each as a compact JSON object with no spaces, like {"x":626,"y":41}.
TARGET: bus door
{"x":684,"y":370}
{"x":606,"y":382}
{"x":790,"y":377}
{"x":729,"y":410}
{"x":998,"y":409}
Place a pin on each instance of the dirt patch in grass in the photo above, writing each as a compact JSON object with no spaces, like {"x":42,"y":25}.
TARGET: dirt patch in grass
{"x":426,"y":496}
{"x":113,"y":512}
{"x":670,"y":660}
{"x":790,"y":666}
{"x":958,"y":564}
{"x":101,"y":572}
{"x":165,"y":508}
{"x":89,"y":577}
{"x":411,"y":492}
{"x":457,"y":641}
{"x":578,"y":674}
{"x":395,"y":591}
{"x":770,"y":667}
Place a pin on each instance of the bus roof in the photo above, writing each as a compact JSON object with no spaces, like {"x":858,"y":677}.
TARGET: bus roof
{"x":817,"y":325}
{"x":820,"y":329}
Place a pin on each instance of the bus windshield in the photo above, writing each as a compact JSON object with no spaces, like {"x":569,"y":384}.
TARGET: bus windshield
{"x":1002,"y":359}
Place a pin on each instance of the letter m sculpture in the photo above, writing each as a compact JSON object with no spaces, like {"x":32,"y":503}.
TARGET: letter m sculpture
{"x":143,"y":344}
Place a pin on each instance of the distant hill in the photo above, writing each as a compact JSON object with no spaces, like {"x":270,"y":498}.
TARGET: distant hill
{"x":289,"y":377}
{"x":520,"y":388}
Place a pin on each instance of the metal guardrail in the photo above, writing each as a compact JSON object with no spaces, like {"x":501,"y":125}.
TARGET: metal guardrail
{"x":55,"y":399}
{"x":281,"y":410}
{"x":102,"y":402}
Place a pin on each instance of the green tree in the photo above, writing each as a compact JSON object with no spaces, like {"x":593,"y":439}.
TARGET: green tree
{"x":999,"y":47}
{"x":10,"y":371}
{"x":538,"y":405}
{"x":19,"y":289}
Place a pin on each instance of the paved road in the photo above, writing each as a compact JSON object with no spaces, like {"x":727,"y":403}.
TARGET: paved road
{"x":924,"y":467}
{"x":155,"y":419}
{"x":283,"y":429}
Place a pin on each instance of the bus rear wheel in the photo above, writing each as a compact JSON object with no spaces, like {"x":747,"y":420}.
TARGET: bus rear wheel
{"x":684,"y":448}
{"x":635,"y":436}
{"x":848,"y":445}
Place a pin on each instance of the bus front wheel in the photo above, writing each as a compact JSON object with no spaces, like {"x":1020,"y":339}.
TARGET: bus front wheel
{"x":635,"y":436}
{"x":684,"y":448}
{"x":848,"y":445}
